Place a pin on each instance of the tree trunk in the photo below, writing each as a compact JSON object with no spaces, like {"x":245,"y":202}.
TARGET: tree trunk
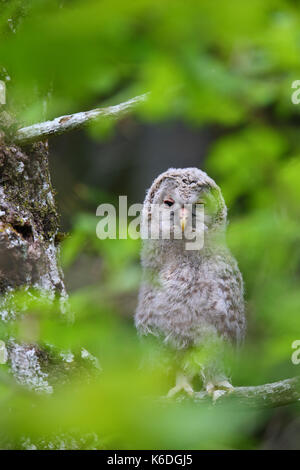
{"x":28,"y":251}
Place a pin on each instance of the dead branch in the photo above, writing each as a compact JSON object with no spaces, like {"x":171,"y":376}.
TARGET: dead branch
{"x":62,"y":124}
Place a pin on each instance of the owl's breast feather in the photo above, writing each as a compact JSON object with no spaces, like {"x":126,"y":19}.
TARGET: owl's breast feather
{"x":190,"y":299}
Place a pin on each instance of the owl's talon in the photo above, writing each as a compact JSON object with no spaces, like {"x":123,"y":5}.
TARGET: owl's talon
{"x":177,"y":389}
{"x":217,"y":394}
{"x":226,"y":386}
{"x":218,"y":389}
{"x":182,"y":385}
{"x":209,"y":387}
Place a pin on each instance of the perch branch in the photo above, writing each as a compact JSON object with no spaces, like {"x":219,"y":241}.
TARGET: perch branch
{"x":62,"y":124}
{"x":273,"y":394}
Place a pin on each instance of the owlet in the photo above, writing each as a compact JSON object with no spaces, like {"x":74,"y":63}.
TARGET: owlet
{"x":191,"y":295}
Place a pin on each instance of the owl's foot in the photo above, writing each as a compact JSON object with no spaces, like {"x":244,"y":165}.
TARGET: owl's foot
{"x":182,"y":385}
{"x":218,"y":389}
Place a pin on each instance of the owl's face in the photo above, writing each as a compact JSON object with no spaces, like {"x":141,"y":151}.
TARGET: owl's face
{"x":185,"y":206}
{"x":178,"y":200}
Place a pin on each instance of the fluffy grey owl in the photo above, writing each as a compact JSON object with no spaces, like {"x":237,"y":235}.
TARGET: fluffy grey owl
{"x":191,"y":298}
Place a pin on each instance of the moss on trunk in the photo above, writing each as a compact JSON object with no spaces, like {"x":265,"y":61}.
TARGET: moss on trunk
{"x":28,"y":252}
{"x":28,"y":220}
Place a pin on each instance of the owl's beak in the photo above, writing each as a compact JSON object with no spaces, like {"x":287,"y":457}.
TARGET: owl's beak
{"x":183,"y":217}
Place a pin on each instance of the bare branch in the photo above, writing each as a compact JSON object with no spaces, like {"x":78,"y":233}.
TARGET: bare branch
{"x":62,"y":124}
{"x":273,"y":394}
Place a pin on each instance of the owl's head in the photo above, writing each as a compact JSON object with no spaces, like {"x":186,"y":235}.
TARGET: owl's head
{"x":179,"y":193}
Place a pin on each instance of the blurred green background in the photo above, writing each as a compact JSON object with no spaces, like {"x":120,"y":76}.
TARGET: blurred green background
{"x":220,"y":75}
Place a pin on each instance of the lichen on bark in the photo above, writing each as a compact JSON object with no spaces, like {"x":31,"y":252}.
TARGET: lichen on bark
{"x":28,"y":251}
{"x":28,"y":221}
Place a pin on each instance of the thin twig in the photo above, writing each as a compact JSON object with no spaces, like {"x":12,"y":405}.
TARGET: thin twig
{"x":62,"y":124}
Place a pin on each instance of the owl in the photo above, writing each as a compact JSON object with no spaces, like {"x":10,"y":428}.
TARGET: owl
{"x":191,"y":296}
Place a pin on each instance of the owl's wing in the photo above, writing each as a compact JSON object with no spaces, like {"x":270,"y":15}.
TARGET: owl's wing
{"x":230,"y":307}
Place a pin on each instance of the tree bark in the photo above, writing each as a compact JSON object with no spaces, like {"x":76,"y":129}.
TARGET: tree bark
{"x":268,"y":395}
{"x":28,"y":251}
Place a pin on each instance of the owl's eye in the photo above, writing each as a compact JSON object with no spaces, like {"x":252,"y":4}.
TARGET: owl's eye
{"x":200,"y":201}
{"x":169,"y":202}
